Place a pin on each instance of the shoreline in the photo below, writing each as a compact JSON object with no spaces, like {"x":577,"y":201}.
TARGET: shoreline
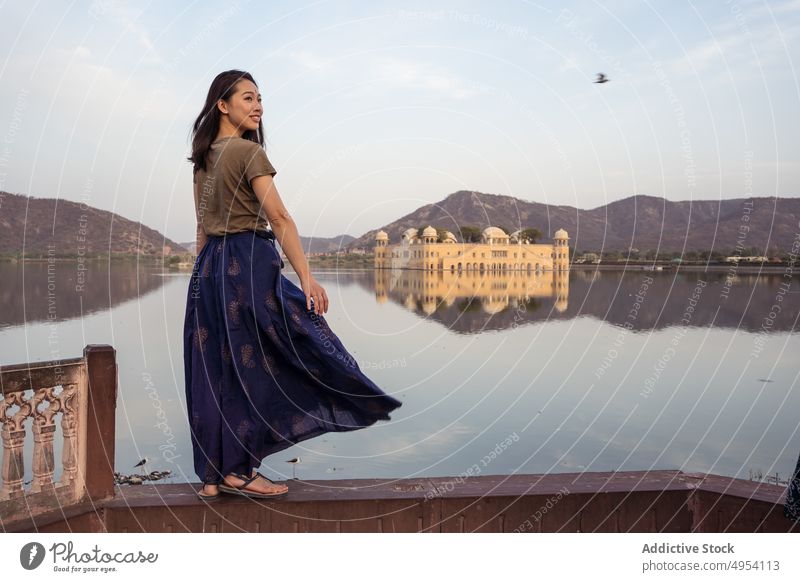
{"x":719,"y":268}
{"x":325,"y":264}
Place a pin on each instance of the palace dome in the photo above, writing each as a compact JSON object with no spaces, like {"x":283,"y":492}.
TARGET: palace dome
{"x":429,"y":231}
{"x":381,"y":235}
{"x":561,"y":233}
{"x":494,"y":232}
{"x":410,"y":234}
{"x":494,"y":235}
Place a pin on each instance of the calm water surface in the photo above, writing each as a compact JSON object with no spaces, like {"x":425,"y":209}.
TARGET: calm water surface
{"x":593,"y":371}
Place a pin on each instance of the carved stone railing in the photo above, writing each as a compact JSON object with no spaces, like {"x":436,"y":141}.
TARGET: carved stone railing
{"x":80,"y":394}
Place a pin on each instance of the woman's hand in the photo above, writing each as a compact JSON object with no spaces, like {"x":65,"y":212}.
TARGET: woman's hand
{"x":315,"y":291}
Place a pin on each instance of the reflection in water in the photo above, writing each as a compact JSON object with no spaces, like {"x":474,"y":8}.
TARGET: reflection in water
{"x":723,"y":403}
{"x":62,"y":290}
{"x":471,"y":301}
{"x":638,"y":300}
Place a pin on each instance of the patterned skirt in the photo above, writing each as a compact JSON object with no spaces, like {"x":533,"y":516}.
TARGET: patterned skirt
{"x":791,"y":506}
{"x":262,"y":372}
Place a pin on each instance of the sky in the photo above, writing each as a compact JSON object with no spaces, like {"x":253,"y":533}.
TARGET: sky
{"x":372,"y":109}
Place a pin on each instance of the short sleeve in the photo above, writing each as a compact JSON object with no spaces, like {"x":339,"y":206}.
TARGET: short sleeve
{"x":257,"y":163}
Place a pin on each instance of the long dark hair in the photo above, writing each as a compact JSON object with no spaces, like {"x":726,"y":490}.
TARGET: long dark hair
{"x":206,"y":126}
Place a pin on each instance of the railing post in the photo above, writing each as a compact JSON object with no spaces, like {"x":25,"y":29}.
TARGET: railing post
{"x":101,"y":376}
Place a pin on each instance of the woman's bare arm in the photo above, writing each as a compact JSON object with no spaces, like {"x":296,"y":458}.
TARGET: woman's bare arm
{"x":288,"y":237}
{"x":282,"y":224}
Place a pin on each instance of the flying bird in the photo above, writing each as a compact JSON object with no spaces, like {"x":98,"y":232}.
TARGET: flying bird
{"x":601,"y":78}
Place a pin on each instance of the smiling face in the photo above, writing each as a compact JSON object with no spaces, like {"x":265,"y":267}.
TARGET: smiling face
{"x":242,"y":112}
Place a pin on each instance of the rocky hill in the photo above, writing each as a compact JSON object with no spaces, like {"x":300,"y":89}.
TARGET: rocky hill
{"x":36,"y":226}
{"x":641,"y":222}
{"x":311,"y":245}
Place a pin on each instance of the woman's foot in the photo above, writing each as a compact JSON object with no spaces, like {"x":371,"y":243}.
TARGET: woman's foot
{"x":209,"y":491}
{"x":260,"y":485}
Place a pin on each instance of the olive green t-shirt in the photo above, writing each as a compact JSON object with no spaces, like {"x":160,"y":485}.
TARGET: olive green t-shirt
{"x":225,"y":202}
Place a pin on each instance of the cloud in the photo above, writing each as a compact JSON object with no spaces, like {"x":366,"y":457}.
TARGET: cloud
{"x":793,"y":6}
{"x":393,"y":73}
{"x":385,"y":74}
{"x":310,"y":60}
{"x":568,"y":63}
{"x":121,"y":14}
{"x":72,"y":86}
{"x":742,"y":53}
{"x":703,"y":55}
{"x":82,"y":52}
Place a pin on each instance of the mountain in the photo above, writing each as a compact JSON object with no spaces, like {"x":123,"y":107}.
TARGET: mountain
{"x":46,"y":226}
{"x":311,"y":245}
{"x":641,"y":222}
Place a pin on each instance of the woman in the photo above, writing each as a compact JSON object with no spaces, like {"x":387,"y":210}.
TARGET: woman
{"x":263,"y":369}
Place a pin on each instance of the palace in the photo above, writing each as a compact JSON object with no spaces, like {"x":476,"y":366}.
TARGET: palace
{"x":497,"y":252}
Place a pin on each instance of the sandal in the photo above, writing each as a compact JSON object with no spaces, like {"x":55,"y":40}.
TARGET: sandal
{"x":205,"y":496}
{"x":240,"y":489}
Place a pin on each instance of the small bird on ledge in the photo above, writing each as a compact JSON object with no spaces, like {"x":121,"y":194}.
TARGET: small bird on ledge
{"x":294,"y":466}
{"x":142,"y":464}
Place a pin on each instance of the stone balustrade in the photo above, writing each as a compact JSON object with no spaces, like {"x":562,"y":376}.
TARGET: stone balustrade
{"x":79,"y":395}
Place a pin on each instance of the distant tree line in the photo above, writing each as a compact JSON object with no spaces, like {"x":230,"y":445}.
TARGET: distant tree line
{"x":689,"y":256}
{"x":472,"y":234}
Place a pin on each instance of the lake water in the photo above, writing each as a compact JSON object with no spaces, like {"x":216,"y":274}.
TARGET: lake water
{"x":499,"y":374}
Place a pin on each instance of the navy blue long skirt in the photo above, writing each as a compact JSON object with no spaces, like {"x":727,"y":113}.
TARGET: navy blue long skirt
{"x":791,"y":506}
{"x":262,"y":371}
